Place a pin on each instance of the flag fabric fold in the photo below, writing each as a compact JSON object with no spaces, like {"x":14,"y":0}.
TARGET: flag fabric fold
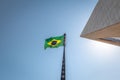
{"x":54,"y":42}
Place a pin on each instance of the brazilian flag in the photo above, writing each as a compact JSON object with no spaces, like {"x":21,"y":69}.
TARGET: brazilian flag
{"x":54,"y":42}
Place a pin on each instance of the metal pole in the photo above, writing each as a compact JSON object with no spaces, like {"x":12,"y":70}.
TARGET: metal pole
{"x":63,"y":77}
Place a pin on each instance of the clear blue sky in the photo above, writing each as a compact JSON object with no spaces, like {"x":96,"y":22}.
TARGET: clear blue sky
{"x":25,"y":24}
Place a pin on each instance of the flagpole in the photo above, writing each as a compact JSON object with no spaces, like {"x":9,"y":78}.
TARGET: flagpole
{"x":63,"y":77}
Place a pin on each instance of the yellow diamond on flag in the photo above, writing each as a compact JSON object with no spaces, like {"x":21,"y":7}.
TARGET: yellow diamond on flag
{"x":54,"y":42}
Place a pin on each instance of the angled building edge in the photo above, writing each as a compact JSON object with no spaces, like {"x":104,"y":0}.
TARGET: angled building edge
{"x":104,"y":34}
{"x":104,"y":23}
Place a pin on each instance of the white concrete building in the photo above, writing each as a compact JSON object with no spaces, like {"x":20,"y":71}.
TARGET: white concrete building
{"x":104,"y":22}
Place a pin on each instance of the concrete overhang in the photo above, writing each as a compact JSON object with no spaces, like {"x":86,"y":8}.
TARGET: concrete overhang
{"x":104,"y":23}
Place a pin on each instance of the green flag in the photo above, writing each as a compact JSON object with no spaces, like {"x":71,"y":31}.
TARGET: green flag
{"x":54,"y":42}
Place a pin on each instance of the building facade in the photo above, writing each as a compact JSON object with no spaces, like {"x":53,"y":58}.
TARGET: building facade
{"x":104,"y":22}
